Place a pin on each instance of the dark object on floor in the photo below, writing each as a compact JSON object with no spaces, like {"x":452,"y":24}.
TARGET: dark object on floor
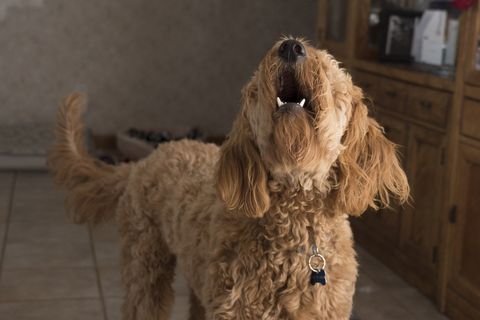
{"x":194,"y":134}
{"x":137,"y":144}
{"x":165,"y":136}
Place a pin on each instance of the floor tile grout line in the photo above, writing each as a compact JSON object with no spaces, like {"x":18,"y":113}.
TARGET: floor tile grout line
{"x":97,"y":271}
{"x":7,"y":223}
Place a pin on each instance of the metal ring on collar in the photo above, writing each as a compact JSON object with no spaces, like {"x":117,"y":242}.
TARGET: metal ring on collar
{"x":318,"y":255}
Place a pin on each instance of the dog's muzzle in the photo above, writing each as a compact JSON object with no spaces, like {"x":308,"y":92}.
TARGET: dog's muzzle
{"x":290,"y":94}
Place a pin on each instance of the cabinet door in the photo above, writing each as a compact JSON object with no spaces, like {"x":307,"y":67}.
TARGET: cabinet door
{"x":422,"y":218}
{"x":386,"y":222}
{"x":332,"y":29}
{"x":465,"y":261}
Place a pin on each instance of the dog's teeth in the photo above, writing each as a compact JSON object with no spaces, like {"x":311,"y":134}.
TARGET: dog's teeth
{"x":279,"y":102}
{"x":302,"y":102}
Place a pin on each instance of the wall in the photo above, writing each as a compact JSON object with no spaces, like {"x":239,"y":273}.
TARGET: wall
{"x":143,"y":63}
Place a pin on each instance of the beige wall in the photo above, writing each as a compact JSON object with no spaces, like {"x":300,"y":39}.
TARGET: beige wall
{"x":144,"y":63}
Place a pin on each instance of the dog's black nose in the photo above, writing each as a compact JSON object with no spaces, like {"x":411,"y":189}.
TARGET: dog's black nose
{"x":291,"y":50}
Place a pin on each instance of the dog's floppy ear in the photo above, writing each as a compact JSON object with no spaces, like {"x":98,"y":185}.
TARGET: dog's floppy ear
{"x":241,"y":176}
{"x":369,"y":171}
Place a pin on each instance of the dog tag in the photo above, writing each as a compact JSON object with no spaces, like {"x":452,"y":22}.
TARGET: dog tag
{"x":318,"y":277}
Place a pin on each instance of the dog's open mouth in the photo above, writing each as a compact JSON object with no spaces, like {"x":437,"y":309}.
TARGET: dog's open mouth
{"x":290,"y":92}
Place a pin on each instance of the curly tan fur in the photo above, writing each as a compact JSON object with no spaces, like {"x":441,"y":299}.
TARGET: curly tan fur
{"x":233,"y":217}
{"x":94,"y":187}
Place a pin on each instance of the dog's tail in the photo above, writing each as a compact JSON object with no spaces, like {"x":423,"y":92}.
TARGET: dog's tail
{"x":94,"y":187}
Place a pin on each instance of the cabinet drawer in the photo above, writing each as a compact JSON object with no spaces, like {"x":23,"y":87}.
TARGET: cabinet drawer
{"x":392,"y":95}
{"x":471,"y":118}
{"x":428,"y":105}
{"x":368,"y":82}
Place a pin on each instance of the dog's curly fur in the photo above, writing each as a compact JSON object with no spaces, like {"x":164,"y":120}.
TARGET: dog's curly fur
{"x":234,"y":217}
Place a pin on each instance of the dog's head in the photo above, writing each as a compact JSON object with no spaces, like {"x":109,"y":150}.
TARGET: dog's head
{"x":303,"y":124}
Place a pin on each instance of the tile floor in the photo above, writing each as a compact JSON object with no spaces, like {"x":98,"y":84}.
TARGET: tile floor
{"x":52,"y":269}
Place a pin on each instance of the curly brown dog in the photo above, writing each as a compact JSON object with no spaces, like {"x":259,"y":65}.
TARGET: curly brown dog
{"x":259,"y":226}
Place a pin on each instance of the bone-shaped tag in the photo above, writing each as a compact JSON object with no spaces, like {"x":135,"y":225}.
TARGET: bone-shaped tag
{"x":318,"y":277}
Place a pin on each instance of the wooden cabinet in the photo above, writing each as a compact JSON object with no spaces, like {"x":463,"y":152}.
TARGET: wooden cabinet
{"x":429,"y":105}
{"x":368,"y":82}
{"x":392,"y":94}
{"x":462,"y":253}
{"x":408,"y":238}
{"x":433,"y":113}
{"x":386,"y":222}
{"x":422,"y":221}
{"x":464,"y":279}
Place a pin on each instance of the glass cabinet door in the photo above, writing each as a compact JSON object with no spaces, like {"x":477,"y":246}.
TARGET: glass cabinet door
{"x":337,"y":16}
{"x":333,"y":25}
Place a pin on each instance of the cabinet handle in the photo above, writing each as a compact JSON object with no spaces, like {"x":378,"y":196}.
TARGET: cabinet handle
{"x":452,"y":216}
{"x":391,"y":94}
{"x":426,"y":104}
